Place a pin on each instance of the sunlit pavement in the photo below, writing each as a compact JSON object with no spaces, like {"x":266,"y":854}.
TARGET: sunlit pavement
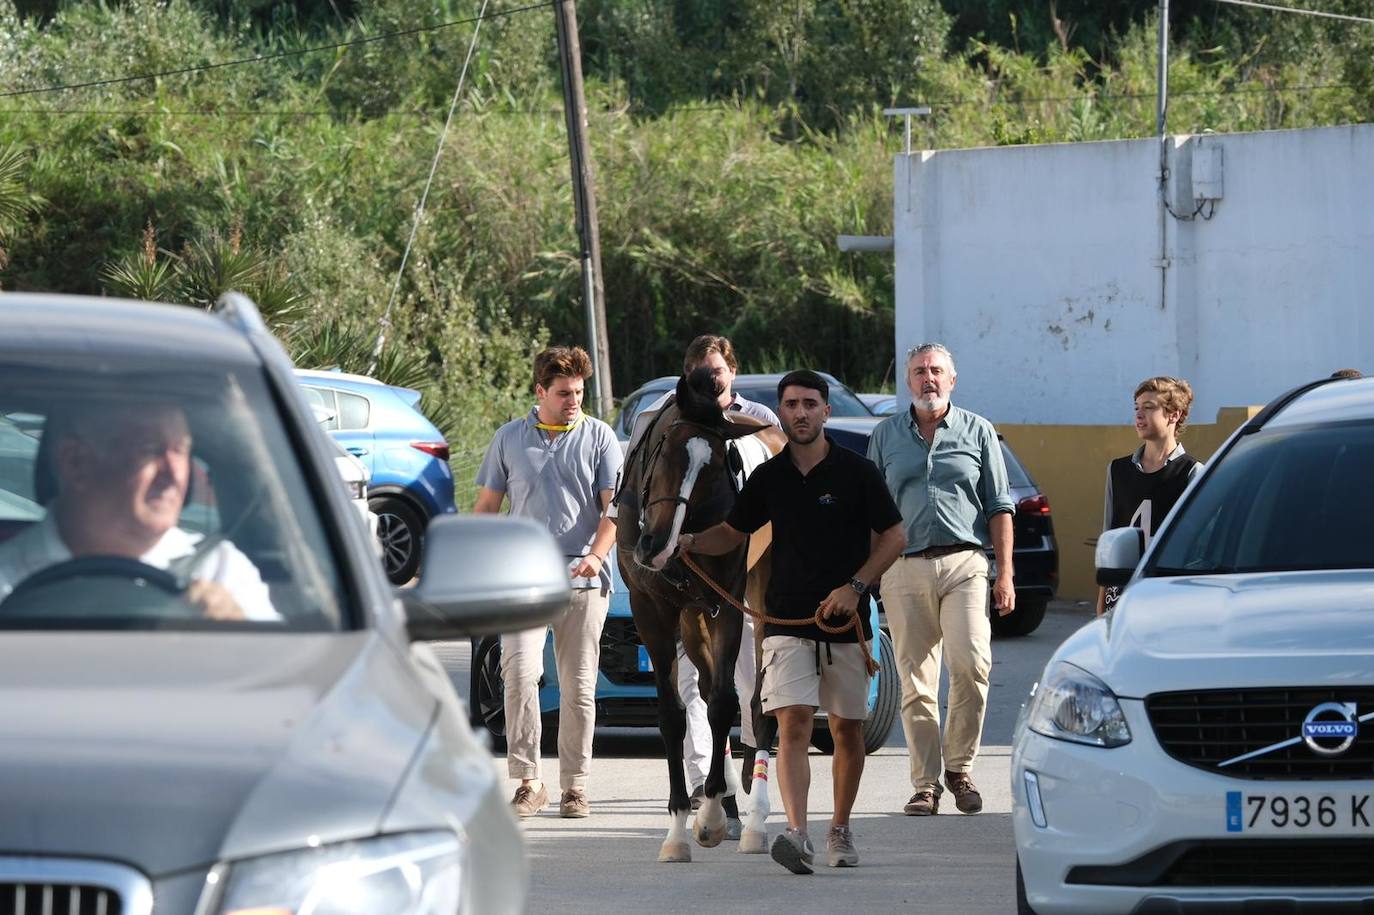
{"x":951,"y":863}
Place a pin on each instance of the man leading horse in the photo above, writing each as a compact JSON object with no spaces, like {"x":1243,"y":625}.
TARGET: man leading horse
{"x":836,"y":530}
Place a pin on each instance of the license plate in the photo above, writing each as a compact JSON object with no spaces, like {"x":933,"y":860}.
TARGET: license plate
{"x":1297,"y":813}
{"x":645,"y":665}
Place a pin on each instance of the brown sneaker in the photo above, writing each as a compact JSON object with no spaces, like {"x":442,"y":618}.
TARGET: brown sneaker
{"x":840,"y":847}
{"x":923,"y":803}
{"x":527,"y":801}
{"x":966,"y":796}
{"x":574,"y":804}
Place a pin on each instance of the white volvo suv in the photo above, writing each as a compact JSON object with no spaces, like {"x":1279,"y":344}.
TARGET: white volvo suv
{"x":1209,"y":745}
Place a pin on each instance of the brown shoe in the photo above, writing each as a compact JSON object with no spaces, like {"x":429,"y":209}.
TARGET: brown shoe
{"x":574,"y":804}
{"x":923,"y":803}
{"x":966,"y":796}
{"x":527,"y":801}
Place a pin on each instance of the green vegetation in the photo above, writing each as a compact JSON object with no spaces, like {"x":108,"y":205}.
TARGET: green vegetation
{"x":733,"y":140}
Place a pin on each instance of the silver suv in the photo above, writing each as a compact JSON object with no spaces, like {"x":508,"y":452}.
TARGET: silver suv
{"x":214,"y":701}
{"x":1208,"y":746}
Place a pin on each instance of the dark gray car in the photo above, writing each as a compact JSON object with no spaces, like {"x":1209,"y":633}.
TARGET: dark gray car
{"x":229,"y":709}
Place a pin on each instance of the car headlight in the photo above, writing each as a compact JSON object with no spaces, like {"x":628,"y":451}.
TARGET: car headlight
{"x":357,"y":489}
{"x":417,"y":873}
{"x":1072,"y":704}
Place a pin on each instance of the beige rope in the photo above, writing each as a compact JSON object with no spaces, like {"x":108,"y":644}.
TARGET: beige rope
{"x":871,"y":665}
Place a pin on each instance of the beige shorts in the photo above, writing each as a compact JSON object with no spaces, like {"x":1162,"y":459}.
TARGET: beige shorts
{"x":790,"y":676}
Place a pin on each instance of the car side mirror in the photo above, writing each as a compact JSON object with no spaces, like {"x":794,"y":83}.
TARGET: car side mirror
{"x":485,"y":574}
{"x":1118,"y":553}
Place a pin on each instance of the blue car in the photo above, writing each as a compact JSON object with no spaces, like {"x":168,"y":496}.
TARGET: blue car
{"x":405,"y":454}
{"x":625,"y":692}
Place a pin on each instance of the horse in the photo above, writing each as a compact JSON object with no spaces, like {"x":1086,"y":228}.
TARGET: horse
{"x":681,"y":477}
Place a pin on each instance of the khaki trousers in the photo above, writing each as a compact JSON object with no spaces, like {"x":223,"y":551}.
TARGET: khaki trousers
{"x":934,"y":606}
{"x":576,"y":652}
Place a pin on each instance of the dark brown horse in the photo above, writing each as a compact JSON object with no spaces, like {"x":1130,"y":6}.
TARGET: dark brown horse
{"x":681,"y":478}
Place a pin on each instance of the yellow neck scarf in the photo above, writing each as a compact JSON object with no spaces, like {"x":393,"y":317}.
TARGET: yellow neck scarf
{"x":551,"y":427}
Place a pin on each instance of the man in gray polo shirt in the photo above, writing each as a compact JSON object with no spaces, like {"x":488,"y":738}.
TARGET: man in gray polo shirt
{"x":558,"y":466}
{"x":943,"y":466}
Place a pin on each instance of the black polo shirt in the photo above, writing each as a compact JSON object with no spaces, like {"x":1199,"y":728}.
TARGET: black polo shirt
{"x":822,"y":527}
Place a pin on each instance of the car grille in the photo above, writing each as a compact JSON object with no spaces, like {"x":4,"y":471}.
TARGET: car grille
{"x":1212,"y":863}
{"x":1285,"y":863}
{"x":57,"y":899}
{"x":1204,"y":729}
{"x":620,"y":654}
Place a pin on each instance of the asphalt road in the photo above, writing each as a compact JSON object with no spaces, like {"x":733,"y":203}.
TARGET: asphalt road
{"x":606,"y":864}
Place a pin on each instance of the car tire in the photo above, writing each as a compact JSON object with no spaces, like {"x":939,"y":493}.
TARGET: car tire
{"x":487,"y":692}
{"x":401,"y":532}
{"x":1025,"y":619}
{"x":883,"y":715}
{"x":1023,"y":906}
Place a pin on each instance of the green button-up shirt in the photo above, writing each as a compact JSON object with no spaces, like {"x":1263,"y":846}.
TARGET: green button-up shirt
{"x":949,"y":489}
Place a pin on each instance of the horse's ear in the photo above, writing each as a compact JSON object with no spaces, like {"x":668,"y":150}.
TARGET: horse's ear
{"x":696,"y":398}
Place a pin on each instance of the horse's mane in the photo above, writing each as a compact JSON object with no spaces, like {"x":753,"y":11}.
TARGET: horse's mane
{"x":696,"y":398}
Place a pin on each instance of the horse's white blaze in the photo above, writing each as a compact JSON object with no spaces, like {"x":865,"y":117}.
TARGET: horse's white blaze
{"x":698,"y":456}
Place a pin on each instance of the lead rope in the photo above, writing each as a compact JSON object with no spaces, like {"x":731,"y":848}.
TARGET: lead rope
{"x":872,"y":666}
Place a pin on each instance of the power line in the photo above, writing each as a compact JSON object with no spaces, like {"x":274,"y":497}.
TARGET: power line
{"x":1298,"y":10}
{"x":262,"y":58}
{"x":385,"y":321}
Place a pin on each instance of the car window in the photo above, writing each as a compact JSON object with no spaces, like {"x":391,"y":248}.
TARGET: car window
{"x":354,"y":410}
{"x":325,"y":400}
{"x":1289,"y":499}
{"x":1016,"y":471}
{"x":138,"y":497}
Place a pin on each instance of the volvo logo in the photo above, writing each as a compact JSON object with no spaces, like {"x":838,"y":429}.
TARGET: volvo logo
{"x":1331,"y":728}
{"x":1328,"y":730}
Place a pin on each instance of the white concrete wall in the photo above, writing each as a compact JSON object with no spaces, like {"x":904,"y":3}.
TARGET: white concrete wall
{"x":1039,"y":266}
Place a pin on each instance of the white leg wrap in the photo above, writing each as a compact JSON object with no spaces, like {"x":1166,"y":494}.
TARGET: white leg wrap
{"x":754,"y":840}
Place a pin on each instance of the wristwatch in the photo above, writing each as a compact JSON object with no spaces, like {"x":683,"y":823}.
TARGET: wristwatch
{"x":858,"y":585}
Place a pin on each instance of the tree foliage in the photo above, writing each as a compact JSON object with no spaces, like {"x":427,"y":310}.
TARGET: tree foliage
{"x":733,"y":140}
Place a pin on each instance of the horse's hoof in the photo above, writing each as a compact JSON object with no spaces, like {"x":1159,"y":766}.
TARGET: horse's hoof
{"x":708,"y":837}
{"x":753,"y":842}
{"x":733,"y":828}
{"x":674,"y":853}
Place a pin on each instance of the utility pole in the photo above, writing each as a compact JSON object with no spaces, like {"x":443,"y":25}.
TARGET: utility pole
{"x":584,"y":200}
{"x":1161,"y":129}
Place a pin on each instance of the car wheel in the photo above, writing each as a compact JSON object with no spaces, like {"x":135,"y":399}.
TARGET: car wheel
{"x":1025,"y":619}
{"x":883,"y":715}
{"x":1023,"y":906}
{"x":401,"y":532}
{"x":487,"y":691}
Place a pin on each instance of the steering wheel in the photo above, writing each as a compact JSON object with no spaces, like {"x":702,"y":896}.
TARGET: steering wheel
{"x":138,"y":576}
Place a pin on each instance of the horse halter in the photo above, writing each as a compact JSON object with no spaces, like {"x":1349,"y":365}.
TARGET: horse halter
{"x":651,"y":462}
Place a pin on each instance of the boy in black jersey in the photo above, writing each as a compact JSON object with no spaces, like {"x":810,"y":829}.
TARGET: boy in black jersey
{"x":1143,"y":486}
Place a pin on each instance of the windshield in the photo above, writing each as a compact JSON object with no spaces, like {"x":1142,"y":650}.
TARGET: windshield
{"x":1290,"y":499}
{"x":843,"y":402}
{"x":138,"y":497}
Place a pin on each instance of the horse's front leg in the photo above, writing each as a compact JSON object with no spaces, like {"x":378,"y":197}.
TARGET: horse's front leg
{"x":721,"y":709}
{"x":672,"y":725}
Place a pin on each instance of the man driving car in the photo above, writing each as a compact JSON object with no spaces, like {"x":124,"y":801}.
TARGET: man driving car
{"x":121,"y":474}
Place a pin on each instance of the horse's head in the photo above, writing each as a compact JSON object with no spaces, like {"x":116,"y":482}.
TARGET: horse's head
{"x":688,"y":482}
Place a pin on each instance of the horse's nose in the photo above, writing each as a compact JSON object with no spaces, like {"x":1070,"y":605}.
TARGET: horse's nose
{"x":644,"y":551}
